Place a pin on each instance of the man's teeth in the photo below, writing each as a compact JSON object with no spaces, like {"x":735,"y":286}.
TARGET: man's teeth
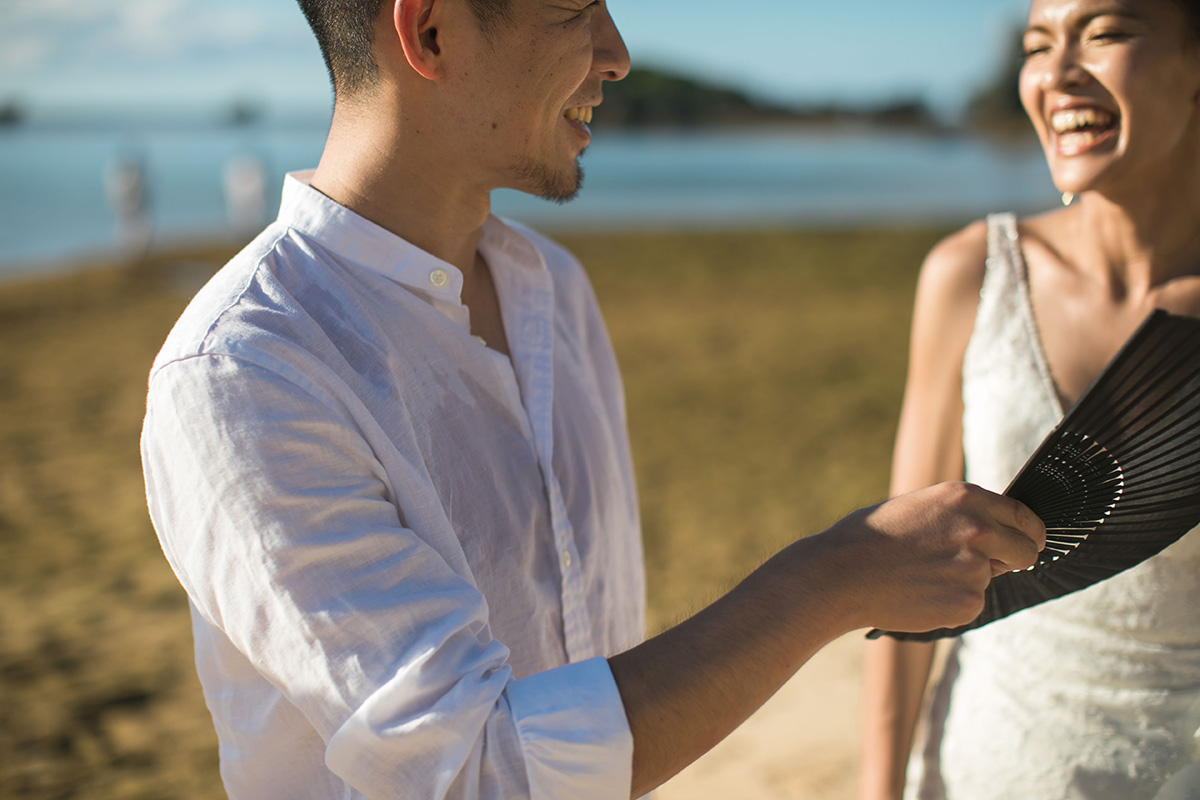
{"x":581,"y":114}
{"x":1078,"y":118}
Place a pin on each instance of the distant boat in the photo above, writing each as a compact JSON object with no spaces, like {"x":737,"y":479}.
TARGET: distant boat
{"x":244,"y":113}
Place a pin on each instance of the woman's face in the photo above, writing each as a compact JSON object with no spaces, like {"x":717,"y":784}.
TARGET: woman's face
{"x":1113,"y":89}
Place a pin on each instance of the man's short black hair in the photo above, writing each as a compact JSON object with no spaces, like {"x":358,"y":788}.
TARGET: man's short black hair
{"x":345,"y":30}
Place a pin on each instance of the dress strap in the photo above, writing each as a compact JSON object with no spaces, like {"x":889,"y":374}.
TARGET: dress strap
{"x":1003,"y":247}
{"x":1007,"y":260}
{"x":1002,"y":276}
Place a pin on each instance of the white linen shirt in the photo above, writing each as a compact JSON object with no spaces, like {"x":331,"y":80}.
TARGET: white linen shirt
{"x":406,"y":554}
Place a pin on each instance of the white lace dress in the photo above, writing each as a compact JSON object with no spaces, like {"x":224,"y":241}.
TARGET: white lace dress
{"x":1096,"y":695}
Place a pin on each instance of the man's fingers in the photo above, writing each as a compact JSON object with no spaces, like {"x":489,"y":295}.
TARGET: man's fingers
{"x":1012,"y":549}
{"x":1012,"y":536}
{"x":1017,"y":516}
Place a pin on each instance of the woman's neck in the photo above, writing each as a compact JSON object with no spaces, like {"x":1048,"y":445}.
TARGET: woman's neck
{"x":1139,"y":242}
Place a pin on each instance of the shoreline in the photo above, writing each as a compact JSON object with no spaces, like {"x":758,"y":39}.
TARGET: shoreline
{"x":115,"y":257}
{"x":220,"y":246}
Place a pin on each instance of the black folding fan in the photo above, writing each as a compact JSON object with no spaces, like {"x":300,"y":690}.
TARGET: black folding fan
{"x":1117,"y":481}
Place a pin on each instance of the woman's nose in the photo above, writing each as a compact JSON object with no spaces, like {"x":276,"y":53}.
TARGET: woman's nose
{"x":1062,"y":69}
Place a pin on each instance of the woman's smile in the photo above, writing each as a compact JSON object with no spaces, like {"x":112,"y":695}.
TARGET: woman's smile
{"x":1083,"y":129}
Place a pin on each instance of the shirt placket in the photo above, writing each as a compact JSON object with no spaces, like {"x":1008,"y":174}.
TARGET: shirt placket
{"x":533,"y":358}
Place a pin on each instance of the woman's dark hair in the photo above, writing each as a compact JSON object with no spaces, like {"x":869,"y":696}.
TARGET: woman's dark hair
{"x":345,"y":30}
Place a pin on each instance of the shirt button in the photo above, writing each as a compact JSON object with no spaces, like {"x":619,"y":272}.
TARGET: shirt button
{"x":439,"y":278}
{"x":566,"y":559}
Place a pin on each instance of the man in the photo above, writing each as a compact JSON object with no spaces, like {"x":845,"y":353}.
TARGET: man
{"x":385,"y":453}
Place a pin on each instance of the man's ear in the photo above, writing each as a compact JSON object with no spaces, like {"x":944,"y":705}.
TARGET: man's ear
{"x":416,"y":27}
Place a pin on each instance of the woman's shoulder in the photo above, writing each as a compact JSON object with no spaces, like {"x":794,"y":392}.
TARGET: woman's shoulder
{"x":956,"y":265}
{"x":946,"y":303}
{"x":953,"y":271}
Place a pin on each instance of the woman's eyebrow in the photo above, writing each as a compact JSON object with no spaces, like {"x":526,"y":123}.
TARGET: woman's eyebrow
{"x":1086,"y":19}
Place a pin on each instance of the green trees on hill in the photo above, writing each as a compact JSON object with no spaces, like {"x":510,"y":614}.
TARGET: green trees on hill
{"x":652,"y":98}
{"x":648,"y":98}
{"x":655,"y":98}
{"x":996,"y":106}
{"x":11,"y":113}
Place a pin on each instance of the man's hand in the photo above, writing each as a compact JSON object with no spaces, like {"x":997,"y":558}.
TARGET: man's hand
{"x":917,"y":562}
{"x":925,"y":559}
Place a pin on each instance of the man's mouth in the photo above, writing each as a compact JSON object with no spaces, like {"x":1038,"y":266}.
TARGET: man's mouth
{"x":1080,"y":129}
{"x":581,"y":114}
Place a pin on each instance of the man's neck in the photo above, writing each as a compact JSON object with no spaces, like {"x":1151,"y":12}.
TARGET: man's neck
{"x":401,"y":180}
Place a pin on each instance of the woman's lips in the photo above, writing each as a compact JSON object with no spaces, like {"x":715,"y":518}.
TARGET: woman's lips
{"x":1079,"y":130}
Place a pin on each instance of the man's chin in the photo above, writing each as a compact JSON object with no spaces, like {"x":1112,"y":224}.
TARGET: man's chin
{"x":561,"y":197}
{"x":556,"y":186}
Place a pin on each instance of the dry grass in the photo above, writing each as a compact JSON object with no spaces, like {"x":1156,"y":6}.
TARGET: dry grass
{"x":763,"y":373}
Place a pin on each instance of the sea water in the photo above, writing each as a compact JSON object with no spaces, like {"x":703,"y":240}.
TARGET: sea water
{"x":55,"y":204}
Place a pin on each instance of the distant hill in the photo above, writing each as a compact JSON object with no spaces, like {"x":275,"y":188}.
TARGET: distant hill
{"x":11,"y":114}
{"x":653,"y":98}
{"x":995,"y":107}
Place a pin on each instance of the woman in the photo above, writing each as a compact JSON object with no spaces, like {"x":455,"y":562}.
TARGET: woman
{"x":1095,"y":695}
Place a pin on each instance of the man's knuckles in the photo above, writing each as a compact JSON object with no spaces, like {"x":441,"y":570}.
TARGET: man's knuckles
{"x":959,"y":497}
{"x":948,"y":607}
{"x":962,"y":608}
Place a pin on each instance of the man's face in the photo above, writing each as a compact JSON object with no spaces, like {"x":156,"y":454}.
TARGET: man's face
{"x":531,"y":85}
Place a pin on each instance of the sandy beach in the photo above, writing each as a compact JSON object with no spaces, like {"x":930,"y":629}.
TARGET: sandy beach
{"x":763,"y":375}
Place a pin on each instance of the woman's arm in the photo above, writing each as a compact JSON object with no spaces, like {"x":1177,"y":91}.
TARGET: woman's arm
{"x":928,"y":450}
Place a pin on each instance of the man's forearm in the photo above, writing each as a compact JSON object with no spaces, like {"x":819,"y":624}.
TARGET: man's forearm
{"x":688,"y":688}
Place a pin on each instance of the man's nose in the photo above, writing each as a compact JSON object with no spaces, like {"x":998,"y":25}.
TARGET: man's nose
{"x":610,"y":58}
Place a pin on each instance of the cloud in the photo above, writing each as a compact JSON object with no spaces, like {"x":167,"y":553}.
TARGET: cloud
{"x":66,"y":35}
{"x":26,"y":54}
{"x":24,"y":15}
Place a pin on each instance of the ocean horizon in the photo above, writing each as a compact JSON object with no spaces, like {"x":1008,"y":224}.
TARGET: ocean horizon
{"x":66,"y":196}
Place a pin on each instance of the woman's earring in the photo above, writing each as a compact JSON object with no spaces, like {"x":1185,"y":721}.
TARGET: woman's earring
{"x":1068,"y":198}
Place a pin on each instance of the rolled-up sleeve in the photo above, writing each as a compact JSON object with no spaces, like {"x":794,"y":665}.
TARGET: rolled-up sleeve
{"x":283,"y":526}
{"x":566,"y":727}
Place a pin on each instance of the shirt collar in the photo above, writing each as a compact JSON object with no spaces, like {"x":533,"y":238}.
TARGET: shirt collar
{"x":357,"y":239}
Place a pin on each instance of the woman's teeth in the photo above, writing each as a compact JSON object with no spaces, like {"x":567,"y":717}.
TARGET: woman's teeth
{"x":1076,"y":118}
{"x":1077,"y":128}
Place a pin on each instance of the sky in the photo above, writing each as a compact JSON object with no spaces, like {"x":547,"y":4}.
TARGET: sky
{"x":167,"y":55}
